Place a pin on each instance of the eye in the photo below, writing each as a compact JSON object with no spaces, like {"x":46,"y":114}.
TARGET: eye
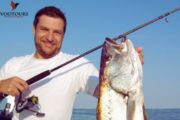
{"x":59,"y":32}
{"x":44,"y":29}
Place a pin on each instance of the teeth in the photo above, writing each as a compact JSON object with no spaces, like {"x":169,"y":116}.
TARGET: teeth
{"x":48,"y":44}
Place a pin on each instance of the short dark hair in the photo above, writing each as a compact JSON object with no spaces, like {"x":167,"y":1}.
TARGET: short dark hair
{"x":50,"y":11}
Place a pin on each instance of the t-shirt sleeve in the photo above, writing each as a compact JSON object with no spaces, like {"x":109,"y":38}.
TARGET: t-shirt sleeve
{"x":88,"y":77}
{"x":6,"y":69}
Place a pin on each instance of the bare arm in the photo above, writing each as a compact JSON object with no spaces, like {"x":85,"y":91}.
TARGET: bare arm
{"x":96,"y":92}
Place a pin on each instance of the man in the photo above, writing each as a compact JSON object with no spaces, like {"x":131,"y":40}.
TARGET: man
{"x":56,"y":92}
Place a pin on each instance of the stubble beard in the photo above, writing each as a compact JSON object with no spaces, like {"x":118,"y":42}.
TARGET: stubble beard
{"x":45,"y":53}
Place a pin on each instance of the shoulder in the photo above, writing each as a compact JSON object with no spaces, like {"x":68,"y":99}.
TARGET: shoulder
{"x":12,"y":66}
{"x":18,"y":60}
{"x":15,"y":62}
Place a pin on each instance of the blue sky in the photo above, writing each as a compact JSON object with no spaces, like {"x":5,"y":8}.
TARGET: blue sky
{"x":90,"y":21}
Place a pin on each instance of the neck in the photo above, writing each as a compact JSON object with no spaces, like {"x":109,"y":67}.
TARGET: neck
{"x":40,"y":56}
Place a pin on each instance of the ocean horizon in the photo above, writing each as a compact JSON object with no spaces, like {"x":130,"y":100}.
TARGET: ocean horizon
{"x":152,"y":113}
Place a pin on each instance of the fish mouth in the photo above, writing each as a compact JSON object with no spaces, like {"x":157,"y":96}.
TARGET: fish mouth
{"x":118,"y":47}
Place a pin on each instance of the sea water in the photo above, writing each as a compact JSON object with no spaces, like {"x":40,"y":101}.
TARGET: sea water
{"x":153,"y":114}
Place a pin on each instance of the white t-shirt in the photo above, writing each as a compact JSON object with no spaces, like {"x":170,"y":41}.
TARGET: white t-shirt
{"x":56,"y":92}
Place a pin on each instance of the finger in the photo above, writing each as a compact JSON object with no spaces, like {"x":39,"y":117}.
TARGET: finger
{"x":139,"y":49}
{"x":12,"y":90}
{"x":142,"y":62}
{"x":22,"y":83}
{"x":15,"y":92}
{"x":141,"y":57}
{"x":19,"y":87}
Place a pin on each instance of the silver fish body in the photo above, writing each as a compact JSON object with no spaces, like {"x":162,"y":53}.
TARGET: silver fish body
{"x":120,"y":91}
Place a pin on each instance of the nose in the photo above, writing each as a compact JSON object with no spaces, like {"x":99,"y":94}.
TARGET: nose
{"x":50,"y":36}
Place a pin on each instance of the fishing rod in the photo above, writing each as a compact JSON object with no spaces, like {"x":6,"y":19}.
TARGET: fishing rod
{"x":48,"y":72}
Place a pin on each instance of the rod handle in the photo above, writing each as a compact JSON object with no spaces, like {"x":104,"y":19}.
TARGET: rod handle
{"x":38,"y":77}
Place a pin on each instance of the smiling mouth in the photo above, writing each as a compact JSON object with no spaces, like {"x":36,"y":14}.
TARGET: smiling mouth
{"x":48,"y":44}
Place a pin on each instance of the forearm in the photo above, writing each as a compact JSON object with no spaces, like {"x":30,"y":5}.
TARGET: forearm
{"x":96,"y":91}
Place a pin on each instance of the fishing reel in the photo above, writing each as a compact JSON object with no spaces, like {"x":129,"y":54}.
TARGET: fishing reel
{"x":6,"y":114}
{"x":27,"y":104}
{"x":6,"y":108}
{"x":21,"y":105}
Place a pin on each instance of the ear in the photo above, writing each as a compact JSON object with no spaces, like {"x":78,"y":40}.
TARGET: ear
{"x":33,"y":30}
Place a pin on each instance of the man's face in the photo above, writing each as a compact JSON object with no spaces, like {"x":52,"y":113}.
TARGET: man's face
{"x":48,"y":35}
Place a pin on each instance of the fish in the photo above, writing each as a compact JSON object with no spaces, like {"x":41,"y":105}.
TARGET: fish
{"x":120,"y":83}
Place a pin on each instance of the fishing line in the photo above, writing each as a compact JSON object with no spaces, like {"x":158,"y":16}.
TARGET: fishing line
{"x":48,"y":72}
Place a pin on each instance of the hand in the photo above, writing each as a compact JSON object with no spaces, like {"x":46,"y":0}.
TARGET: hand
{"x":13,"y":86}
{"x":139,"y":50}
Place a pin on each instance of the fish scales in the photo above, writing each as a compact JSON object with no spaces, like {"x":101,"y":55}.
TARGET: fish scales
{"x":120,"y":89}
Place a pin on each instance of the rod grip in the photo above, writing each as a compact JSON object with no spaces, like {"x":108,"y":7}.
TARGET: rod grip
{"x":38,"y":77}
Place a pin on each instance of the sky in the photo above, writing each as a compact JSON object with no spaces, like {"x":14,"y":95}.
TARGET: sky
{"x":90,"y":21}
